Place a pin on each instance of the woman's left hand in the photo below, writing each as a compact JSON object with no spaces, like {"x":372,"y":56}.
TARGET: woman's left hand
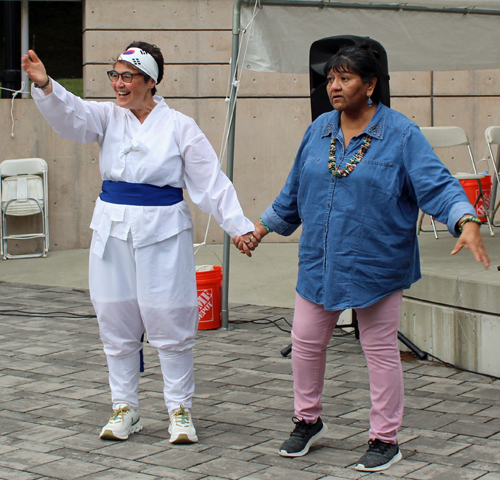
{"x":471,"y":239}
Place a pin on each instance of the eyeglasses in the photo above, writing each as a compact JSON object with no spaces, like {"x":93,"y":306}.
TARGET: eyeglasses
{"x":127,"y":77}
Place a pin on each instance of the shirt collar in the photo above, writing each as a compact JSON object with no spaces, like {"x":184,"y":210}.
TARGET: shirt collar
{"x":374,"y":129}
{"x":159,"y":100}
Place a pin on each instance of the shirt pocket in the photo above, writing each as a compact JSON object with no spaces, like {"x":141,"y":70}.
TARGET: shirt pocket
{"x":384,"y":176}
{"x":310,"y":168}
{"x":314,"y":178}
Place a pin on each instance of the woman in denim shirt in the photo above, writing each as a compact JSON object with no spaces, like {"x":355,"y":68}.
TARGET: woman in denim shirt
{"x":360,"y":176}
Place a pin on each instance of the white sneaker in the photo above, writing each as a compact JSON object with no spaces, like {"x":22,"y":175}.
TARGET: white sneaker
{"x":123,"y":422}
{"x":181,"y":426}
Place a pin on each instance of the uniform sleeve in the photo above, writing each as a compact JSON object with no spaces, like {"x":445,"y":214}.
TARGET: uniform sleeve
{"x":436,"y":191}
{"x":70,"y":116}
{"x":283,"y":215}
{"x":208,"y":187}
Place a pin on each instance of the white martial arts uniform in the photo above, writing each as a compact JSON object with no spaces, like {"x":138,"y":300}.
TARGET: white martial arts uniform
{"x":142,"y":272}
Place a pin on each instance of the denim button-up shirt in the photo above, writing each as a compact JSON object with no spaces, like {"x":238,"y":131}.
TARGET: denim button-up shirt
{"x":358,"y":241}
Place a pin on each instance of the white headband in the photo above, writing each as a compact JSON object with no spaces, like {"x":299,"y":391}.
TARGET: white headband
{"x":141,"y":60}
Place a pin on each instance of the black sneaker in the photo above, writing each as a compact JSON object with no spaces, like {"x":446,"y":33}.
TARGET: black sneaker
{"x":379,"y":456}
{"x":303,"y":436}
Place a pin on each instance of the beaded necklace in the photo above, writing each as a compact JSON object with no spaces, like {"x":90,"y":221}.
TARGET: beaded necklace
{"x":349,"y":167}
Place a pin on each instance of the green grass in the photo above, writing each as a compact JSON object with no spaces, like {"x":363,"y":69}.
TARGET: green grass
{"x":74,"y":85}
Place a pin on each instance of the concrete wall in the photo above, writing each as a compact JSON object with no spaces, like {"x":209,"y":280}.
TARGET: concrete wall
{"x":461,"y":337}
{"x":74,"y":177}
{"x":452,"y":312}
{"x":272,"y":113}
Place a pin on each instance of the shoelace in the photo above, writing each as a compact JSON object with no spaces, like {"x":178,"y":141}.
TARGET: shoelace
{"x":378,"y":446}
{"x":181,"y":417}
{"x":301,"y":428}
{"x":119,"y":413}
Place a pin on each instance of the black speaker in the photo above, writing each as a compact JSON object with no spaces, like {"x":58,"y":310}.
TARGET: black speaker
{"x":321,"y":51}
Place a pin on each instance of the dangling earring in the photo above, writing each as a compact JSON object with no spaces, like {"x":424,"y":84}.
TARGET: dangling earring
{"x":370,"y":101}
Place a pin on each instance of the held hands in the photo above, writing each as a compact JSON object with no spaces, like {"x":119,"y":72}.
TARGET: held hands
{"x":247,"y":243}
{"x":250,"y":241}
{"x":471,"y":239}
{"x":34,"y":67}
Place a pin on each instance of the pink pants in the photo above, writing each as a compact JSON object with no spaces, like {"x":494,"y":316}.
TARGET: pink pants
{"x":378,"y":328}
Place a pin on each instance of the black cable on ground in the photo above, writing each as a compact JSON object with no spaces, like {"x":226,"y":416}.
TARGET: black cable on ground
{"x":421,"y":356}
{"x":460,"y":368}
{"x":258,"y":321}
{"x":266,"y":321}
{"x":21,"y":313}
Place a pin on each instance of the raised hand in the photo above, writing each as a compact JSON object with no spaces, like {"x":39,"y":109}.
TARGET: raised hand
{"x":34,"y":67}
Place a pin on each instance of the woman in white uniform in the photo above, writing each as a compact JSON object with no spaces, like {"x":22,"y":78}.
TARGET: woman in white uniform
{"x":142,"y":271}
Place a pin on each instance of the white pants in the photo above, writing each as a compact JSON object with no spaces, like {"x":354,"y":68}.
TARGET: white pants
{"x":150,"y":289}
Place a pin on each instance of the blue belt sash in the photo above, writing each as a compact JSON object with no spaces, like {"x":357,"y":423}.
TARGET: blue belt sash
{"x":124,"y":193}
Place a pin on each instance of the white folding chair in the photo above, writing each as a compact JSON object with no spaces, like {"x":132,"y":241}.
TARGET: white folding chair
{"x":446,"y":137}
{"x":492,"y":135}
{"x":24,"y":191}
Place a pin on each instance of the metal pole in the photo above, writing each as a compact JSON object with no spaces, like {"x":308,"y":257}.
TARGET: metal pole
{"x":230,"y":157}
{"x":25,"y":35}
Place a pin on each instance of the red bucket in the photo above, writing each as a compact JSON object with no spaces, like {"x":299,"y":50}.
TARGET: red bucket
{"x":209,"y":285}
{"x":472,"y":190}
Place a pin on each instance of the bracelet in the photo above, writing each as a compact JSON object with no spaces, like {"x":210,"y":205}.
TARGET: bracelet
{"x":470,"y":218}
{"x":265,"y":226}
{"x":45,"y":86}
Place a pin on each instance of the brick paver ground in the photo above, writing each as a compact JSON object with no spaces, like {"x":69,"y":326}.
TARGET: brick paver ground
{"x":55,"y":399}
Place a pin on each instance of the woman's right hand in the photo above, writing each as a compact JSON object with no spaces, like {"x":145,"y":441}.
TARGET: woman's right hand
{"x":34,"y":67}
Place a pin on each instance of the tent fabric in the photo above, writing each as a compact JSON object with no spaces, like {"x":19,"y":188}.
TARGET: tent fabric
{"x":414,"y":40}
